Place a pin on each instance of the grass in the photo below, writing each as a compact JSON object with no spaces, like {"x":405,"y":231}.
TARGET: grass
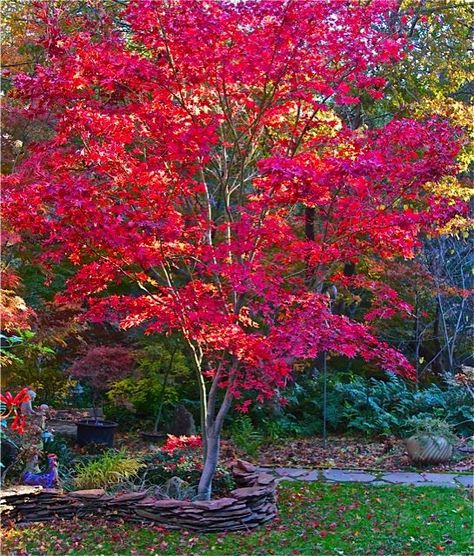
{"x":315,"y":518}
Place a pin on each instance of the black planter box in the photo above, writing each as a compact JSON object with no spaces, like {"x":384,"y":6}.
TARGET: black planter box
{"x":92,"y":431}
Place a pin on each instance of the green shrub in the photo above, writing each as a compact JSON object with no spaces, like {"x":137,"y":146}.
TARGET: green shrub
{"x":164,"y":375}
{"x":359,"y":405}
{"x":386,"y":407}
{"x":432,"y":427}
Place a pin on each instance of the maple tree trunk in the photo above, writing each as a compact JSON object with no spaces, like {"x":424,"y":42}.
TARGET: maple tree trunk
{"x":212,"y":434}
{"x":210,"y":464}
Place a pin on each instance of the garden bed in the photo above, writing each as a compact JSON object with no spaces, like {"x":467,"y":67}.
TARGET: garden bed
{"x":353,"y":453}
{"x":343,"y":452}
{"x":246,"y":507}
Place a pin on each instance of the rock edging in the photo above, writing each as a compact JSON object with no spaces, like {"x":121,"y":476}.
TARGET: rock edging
{"x":252,"y":504}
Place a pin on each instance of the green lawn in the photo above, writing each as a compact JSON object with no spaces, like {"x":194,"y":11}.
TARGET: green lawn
{"x":315,"y":518}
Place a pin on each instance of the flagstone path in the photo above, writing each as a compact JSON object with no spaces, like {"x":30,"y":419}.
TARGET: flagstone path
{"x":372,"y":477}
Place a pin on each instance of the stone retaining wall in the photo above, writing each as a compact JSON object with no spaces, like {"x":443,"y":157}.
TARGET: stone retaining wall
{"x":248,"y":506}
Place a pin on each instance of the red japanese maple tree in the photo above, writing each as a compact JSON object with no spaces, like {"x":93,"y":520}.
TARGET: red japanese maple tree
{"x":101,"y":366}
{"x":198,"y":156}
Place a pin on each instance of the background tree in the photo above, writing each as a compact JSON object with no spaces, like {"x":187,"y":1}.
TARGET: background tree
{"x":435,"y":76}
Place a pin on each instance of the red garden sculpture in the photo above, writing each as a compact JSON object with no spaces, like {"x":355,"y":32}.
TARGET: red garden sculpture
{"x":200,"y":158}
{"x":11,"y":408}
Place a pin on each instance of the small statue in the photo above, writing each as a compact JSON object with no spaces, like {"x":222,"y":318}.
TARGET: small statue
{"x":36,"y":421}
{"x":26,"y":407}
{"x":47,"y":479}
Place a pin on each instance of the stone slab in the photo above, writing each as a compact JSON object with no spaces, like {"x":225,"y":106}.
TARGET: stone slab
{"x":289,"y":472}
{"x":312,"y":476}
{"x":465,"y":480}
{"x":440,"y":479}
{"x":401,"y":478}
{"x":288,"y":479}
{"x":342,"y":476}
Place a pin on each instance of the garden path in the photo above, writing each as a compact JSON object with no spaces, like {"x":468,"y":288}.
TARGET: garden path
{"x":372,"y":477}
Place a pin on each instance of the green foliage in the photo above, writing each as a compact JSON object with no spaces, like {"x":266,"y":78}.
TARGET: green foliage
{"x":364,"y":406}
{"x":303,"y":413}
{"x":109,"y":469}
{"x":385,"y":407}
{"x":275,"y":430}
{"x":245,"y":436}
{"x":36,"y":365}
{"x":157,"y":361}
{"x":40,"y":288}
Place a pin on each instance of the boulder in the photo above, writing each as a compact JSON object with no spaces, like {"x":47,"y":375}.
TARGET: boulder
{"x":175,"y":487}
{"x":182,"y":422}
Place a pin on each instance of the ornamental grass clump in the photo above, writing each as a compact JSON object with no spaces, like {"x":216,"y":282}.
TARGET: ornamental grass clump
{"x":110,"y":469}
{"x":432,"y":441}
{"x":432,"y":427}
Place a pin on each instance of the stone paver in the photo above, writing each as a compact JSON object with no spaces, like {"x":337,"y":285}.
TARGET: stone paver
{"x":466,"y":480}
{"x":376,"y":479}
{"x":440,"y":479}
{"x":290,"y":471}
{"x":401,"y":478}
{"x":311,"y":476}
{"x":66,"y":428}
{"x":341,"y":476}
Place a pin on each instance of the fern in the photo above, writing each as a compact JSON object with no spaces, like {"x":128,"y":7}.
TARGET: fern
{"x":245,"y":436}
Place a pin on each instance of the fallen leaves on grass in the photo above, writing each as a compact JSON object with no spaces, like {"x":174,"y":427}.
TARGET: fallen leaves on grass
{"x":315,"y":518}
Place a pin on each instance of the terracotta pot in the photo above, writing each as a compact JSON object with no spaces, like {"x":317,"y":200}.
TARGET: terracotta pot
{"x":429,"y":449}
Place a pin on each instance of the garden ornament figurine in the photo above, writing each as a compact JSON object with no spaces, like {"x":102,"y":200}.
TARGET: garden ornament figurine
{"x":26,"y":407}
{"x":36,"y":426}
{"x":47,"y":479}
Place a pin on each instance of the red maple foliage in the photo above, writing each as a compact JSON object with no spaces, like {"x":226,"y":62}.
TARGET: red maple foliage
{"x":174,"y":443}
{"x":196,"y":157}
{"x":101,"y":366}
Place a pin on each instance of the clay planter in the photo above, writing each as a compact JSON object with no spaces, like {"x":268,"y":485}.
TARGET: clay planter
{"x":92,"y":431}
{"x":252,"y":504}
{"x":429,"y":449}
